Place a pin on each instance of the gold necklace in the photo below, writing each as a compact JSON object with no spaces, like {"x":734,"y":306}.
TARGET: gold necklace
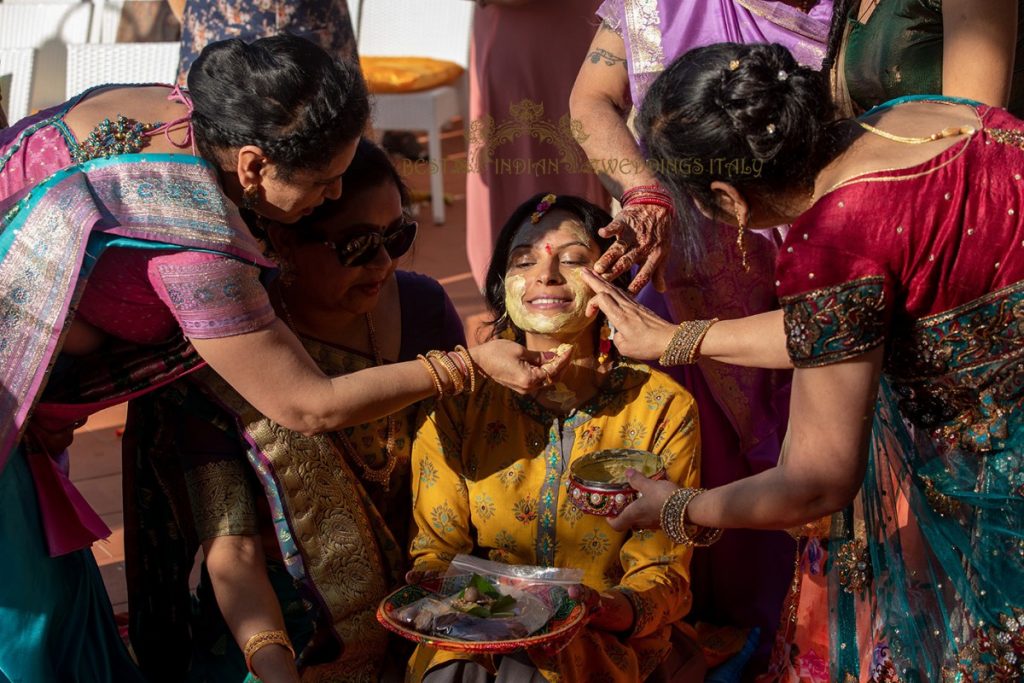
{"x":951,"y":131}
{"x":382,"y":475}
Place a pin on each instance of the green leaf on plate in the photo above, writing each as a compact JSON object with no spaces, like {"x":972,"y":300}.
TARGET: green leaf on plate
{"x":503,"y":606}
{"x":484,"y":586}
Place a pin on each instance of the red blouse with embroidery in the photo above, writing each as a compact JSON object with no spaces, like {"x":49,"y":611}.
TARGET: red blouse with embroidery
{"x":875,"y":259}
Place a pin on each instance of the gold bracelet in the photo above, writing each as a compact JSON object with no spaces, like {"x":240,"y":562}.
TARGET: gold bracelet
{"x":458,"y":382}
{"x":470,"y":365}
{"x":261,"y":640}
{"x":673,"y":520}
{"x":705,"y":535}
{"x":671,"y":515}
{"x":684,"y":347}
{"x":433,"y":374}
{"x":694,"y":353}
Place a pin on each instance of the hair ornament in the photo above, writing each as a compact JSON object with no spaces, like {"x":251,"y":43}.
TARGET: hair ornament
{"x":542,"y":208}
{"x":783,"y":75}
{"x":771,"y":129}
{"x":734,"y":64}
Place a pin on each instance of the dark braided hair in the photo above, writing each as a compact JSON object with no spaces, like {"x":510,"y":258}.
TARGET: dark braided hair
{"x":766,"y":118}
{"x":283,"y":94}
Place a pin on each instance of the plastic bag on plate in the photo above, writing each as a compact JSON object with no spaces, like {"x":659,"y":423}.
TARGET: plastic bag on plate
{"x":480,"y":600}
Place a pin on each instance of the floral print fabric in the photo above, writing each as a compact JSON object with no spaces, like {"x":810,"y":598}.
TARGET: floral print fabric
{"x":324,"y":22}
{"x":489,"y":476}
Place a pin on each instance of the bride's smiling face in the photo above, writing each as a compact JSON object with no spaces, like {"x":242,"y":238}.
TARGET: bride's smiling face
{"x":543,"y":291}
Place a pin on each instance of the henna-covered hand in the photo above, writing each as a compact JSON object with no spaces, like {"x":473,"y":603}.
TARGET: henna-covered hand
{"x":642,"y":235}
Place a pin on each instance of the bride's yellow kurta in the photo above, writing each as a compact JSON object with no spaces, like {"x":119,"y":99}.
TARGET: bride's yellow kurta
{"x":489,"y":473}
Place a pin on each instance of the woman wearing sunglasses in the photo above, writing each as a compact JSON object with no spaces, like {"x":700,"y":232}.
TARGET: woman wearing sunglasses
{"x":333,"y":509}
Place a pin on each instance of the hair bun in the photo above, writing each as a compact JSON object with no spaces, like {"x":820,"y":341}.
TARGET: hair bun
{"x":748,"y":115}
{"x":770,"y":98}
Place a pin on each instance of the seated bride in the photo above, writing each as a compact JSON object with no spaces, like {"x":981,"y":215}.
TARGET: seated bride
{"x":490,"y":467}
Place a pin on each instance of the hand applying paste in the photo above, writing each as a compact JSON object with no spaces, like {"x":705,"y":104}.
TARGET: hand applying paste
{"x":546,"y":298}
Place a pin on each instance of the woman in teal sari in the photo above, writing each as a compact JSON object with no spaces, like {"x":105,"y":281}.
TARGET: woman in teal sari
{"x":121,"y":271}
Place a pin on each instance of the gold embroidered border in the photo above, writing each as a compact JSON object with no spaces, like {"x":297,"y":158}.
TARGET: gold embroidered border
{"x":919,"y":344}
{"x":831,"y":289}
{"x":788,"y":18}
{"x":812,"y":330}
{"x":222,"y":502}
{"x":643,"y":23}
{"x":332,"y":530}
{"x":1013,"y":138}
{"x":945,"y":316}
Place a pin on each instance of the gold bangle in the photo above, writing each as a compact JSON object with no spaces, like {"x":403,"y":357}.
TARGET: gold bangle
{"x":671,"y":515}
{"x":684,"y":347}
{"x":261,"y":640}
{"x":673,"y":520}
{"x":433,"y":374}
{"x":470,"y":365}
{"x":704,"y":536}
{"x":458,"y":382}
{"x":702,"y":332}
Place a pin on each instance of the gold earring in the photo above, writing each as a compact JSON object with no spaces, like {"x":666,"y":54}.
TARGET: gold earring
{"x":739,"y":241}
{"x":604,"y":344}
{"x":250,"y":197}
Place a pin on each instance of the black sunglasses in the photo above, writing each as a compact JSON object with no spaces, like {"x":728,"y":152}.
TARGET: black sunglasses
{"x":360,"y":248}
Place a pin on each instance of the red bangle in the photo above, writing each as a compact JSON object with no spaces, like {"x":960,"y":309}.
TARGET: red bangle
{"x":657,"y":190}
{"x":637,"y":188}
{"x":646,"y":196}
{"x":652,"y":201}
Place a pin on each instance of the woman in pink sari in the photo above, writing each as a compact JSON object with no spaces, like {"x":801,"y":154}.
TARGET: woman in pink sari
{"x":743,"y":579}
{"x":121,"y":271}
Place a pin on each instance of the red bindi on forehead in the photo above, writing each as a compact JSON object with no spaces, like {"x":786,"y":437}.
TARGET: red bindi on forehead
{"x":547,"y":247}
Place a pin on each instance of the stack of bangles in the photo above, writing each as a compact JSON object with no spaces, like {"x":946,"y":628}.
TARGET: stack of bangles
{"x":675,"y":526}
{"x":684,"y":347}
{"x":654,"y":195}
{"x":458,"y":367}
{"x":260,"y":641}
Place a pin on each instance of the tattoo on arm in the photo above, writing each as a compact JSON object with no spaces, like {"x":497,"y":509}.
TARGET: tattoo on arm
{"x":600,"y":54}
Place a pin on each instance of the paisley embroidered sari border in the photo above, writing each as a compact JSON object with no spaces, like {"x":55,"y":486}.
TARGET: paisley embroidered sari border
{"x":831,"y":324}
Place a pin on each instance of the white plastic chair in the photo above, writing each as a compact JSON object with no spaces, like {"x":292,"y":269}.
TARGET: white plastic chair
{"x":419,"y":28}
{"x":92,"y":64}
{"x":48,"y":27}
{"x":106,"y":16}
{"x":17,"y":65}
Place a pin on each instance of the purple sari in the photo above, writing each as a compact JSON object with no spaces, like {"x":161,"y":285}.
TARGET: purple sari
{"x":743,"y":579}
{"x":656,"y":32}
